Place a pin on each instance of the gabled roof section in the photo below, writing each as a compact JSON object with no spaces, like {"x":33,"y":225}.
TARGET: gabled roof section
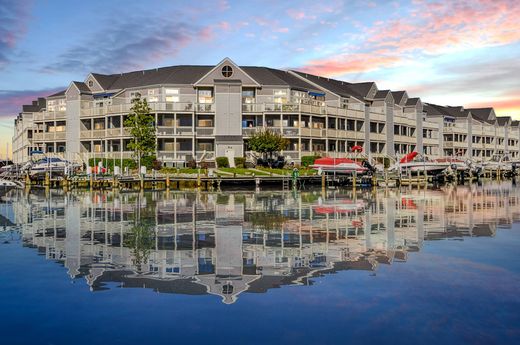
{"x":238,"y":72}
{"x":382,"y":94}
{"x":432,"y":110}
{"x":439,"y":110}
{"x":104,"y":80}
{"x":484,"y":114}
{"x":413,"y":101}
{"x":271,"y":76}
{"x":515,"y":123}
{"x":338,"y":87}
{"x":57,"y":94}
{"x":399,"y":96}
{"x":503,"y":120}
{"x":363,"y":88}
{"x":82,"y":87}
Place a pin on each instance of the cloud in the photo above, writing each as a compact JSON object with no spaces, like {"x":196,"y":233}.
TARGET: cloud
{"x":299,"y":15}
{"x":349,"y":63}
{"x":11,"y":101}
{"x":430,"y":29}
{"x":124,"y":47}
{"x":13,"y":16}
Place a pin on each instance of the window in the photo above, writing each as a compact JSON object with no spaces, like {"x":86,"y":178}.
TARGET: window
{"x":151,"y":92}
{"x":280,"y":96}
{"x":135,"y":94}
{"x":153,"y":99}
{"x":173,"y":99}
{"x":90,"y":83}
{"x":227,"y":71}
{"x":248,"y":96}
{"x":205,"y":95}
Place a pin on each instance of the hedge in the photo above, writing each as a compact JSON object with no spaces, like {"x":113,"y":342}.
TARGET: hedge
{"x":240,"y":162}
{"x":130,"y":163}
{"x":309,"y":160}
{"x":222,"y":162}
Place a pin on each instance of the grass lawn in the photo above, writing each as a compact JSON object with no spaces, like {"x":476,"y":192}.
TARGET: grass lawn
{"x":303,"y":172}
{"x":242,"y":171}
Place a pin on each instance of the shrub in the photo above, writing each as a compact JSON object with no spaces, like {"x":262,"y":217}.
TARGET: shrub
{"x":308,"y":160}
{"x":222,"y":162}
{"x":240,"y":162}
{"x":156,"y":164}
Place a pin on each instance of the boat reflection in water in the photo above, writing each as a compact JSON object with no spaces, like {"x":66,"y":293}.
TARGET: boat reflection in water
{"x":228,"y":244}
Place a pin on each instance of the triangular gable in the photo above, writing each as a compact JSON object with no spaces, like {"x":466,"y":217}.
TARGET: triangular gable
{"x":216,"y":73}
{"x":93,"y":83}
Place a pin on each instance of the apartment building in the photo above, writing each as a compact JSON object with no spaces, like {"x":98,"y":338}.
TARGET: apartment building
{"x":475,"y":132}
{"x":202,"y":112}
{"x":22,"y":141}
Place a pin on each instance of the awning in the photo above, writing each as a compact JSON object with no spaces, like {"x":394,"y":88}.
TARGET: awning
{"x":316,"y":94}
{"x":103,"y":95}
{"x":36,"y":152}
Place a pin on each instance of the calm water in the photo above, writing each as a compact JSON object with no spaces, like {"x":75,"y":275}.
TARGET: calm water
{"x":407,"y":267}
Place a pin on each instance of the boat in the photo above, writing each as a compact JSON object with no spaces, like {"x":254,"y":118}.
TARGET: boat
{"x":6,"y":186}
{"x":499,"y":163}
{"x":330,"y":165}
{"x":415,"y":164}
{"x":53,"y":165}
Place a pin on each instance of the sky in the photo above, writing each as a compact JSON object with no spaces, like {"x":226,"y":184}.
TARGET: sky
{"x":446,"y":52}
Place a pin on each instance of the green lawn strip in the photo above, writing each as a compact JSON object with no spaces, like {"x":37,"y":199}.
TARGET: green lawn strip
{"x":242,"y":171}
{"x":303,"y":172}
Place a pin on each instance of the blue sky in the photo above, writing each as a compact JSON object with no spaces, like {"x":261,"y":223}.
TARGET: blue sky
{"x":457,"y":53}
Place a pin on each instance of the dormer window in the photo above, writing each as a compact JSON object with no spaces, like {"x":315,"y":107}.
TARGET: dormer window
{"x":90,"y":83}
{"x":227,"y":71}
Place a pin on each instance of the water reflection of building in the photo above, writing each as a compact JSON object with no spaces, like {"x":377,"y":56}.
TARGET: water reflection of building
{"x":226,"y":244}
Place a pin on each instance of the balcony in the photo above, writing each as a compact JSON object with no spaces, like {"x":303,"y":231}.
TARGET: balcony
{"x":251,"y":130}
{"x":113,"y":132}
{"x":252,"y":107}
{"x":165,"y":131}
{"x":291,"y":131}
{"x":94,"y":134}
{"x":205,"y":131}
{"x":205,"y":107}
{"x":185,"y":130}
{"x":280,"y":107}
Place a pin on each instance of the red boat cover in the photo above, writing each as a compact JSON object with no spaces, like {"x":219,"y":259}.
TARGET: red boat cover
{"x":409,"y":157}
{"x":333,"y":161}
{"x":357,"y":148}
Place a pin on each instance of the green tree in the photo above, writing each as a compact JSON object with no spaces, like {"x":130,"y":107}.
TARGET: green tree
{"x":141,"y":125}
{"x":267,"y":142}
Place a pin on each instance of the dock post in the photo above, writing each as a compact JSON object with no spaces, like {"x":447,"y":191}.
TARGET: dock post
{"x":167,"y":182}
{"x":354,"y":177}
{"x":323,"y":181}
{"x":27,"y":181}
{"x":47,"y":179}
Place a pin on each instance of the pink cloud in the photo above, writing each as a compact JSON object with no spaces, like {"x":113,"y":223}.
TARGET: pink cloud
{"x":509,"y":105}
{"x":431,"y":28}
{"x":295,"y":14}
{"x":349,"y":63}
{"x":11,"y":101}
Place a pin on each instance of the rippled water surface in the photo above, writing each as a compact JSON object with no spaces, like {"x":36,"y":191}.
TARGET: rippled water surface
{"x":313,"y":267}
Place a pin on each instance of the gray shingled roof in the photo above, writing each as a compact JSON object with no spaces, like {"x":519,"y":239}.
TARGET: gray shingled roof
{"x":515,"y":123}
{"x":36,"y":106}
{"x":271,"y":76}
{"x":341,"y":88}
{"x":58,"y":94}
{"x":362,"y":88}
{"x":398,"y":96}
{"x":381,"y":94}
{"x":483,"y":114}
{"x":503,"y":120}
{"x":82,"y":87}
{"x":412,"y":101}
